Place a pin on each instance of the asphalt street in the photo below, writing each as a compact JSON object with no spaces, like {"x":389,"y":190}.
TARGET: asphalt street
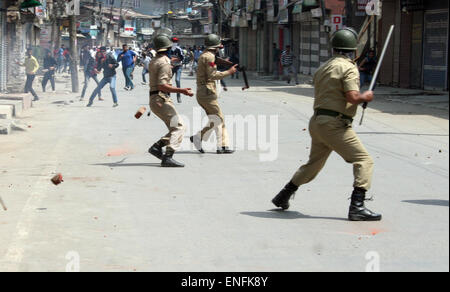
{"x":118,"y":210}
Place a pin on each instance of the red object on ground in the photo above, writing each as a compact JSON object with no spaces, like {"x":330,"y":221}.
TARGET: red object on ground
{"x":140,"y":112}
{"x":57,"y":179}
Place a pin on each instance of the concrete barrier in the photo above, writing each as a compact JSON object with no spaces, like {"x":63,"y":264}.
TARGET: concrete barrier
{"x":26,"y":98}
{"x":5,"y":127}
{"x":17,"y":104}
{"x":6,"y":111}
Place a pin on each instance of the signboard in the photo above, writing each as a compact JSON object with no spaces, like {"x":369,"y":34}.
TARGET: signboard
{"x":283,"y":12}
{"x":129,"y":27}
{"x":45,"y":37}
{"x":336,"y":22}
{"x":361,"y":7}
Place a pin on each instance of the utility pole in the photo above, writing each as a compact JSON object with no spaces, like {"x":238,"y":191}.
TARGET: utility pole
{"x":120,"y":23}
{"x":109,"y":24}
{"x":74,"y":53}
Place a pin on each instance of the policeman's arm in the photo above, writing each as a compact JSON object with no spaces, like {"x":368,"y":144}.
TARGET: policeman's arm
{"x":164,"y":79}
{"x":350,"y":84}
{"x":213,"y":74}
{"x":171,"y":89}
{"x":355,"y":97}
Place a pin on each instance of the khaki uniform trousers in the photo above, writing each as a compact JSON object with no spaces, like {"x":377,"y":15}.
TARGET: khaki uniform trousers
{"x":335,"y":134}
{"x":216,"y":122}
{"x":165,"y":110}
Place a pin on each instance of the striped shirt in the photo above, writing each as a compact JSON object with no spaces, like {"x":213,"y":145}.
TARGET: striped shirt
{"x":287,"y":58}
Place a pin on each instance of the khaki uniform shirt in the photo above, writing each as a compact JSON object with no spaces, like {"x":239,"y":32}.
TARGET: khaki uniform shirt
{"x":160,"y":72}
{"x":333,"y":79}
{"x":207,"y":75}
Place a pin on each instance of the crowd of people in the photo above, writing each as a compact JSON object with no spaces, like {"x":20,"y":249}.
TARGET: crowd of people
{"x":93,"y":60}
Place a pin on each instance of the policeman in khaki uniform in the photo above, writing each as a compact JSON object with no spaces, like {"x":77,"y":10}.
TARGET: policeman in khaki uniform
{"x":337,"y":95}
{"x":160,"y":103}
{"x":207,"y":75}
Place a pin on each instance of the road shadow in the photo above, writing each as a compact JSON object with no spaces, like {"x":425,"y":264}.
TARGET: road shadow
{"x":118,"y":164}
{"x":195,"y":152}
{"x":442,"y":203}
{"x":406,"y":134}
{"x":279,"y":214}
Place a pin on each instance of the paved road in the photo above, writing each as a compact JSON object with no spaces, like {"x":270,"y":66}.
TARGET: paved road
{"x":117,"y":210}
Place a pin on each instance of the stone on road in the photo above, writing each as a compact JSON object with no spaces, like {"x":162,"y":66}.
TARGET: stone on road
{"x":118,"y":210}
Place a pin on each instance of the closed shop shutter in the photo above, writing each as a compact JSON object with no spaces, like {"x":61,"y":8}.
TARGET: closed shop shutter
{"x":310,"y":47}
{"x":3,"y":52}
{"x":435,"y":63}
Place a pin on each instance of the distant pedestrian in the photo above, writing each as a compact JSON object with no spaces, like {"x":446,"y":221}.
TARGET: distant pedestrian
{"x":84,"y":57}
{"x":59,"y":55}
{"x":67,"y":60}
{"x":128,"y":59}
{"x":90,"y":71}
{"x":234,"y":58}
{"x":176,"y":57}
{"x":367,"y":67}
{"x":109,"y":64}
{"x":146,"y":59}
{"x":197,"y":53}
{"x":288,"y":61}
{"x":50,"y":65}
{"x":276,"y":54}
{"x":31,"y":66}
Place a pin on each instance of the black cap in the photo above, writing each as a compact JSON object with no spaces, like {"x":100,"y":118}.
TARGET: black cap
{"x":103,"y":48}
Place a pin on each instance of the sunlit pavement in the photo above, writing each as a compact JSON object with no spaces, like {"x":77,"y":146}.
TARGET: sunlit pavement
{"x":118,"y":210}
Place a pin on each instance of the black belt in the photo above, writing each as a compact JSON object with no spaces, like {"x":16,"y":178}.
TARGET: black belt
{"x":326,"y":112}
{"x":157,"y":92}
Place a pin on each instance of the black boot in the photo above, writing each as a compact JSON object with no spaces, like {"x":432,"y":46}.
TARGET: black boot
{"x":282,"y":199}
{"x":224,"y":150}
{"x":179,"y":98}
{"x":358,"y":212}
{"x":168,"y":161}
{"x":156,"y":150}
{"x":197,"y":143}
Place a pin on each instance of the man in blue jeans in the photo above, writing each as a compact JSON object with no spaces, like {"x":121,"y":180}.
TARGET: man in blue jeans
{"x":108,"y":63}
{"x":128,"y":59}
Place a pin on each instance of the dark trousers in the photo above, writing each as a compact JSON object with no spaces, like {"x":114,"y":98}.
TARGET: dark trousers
{"x":29,"y":85}
{"x":49,"y":75}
